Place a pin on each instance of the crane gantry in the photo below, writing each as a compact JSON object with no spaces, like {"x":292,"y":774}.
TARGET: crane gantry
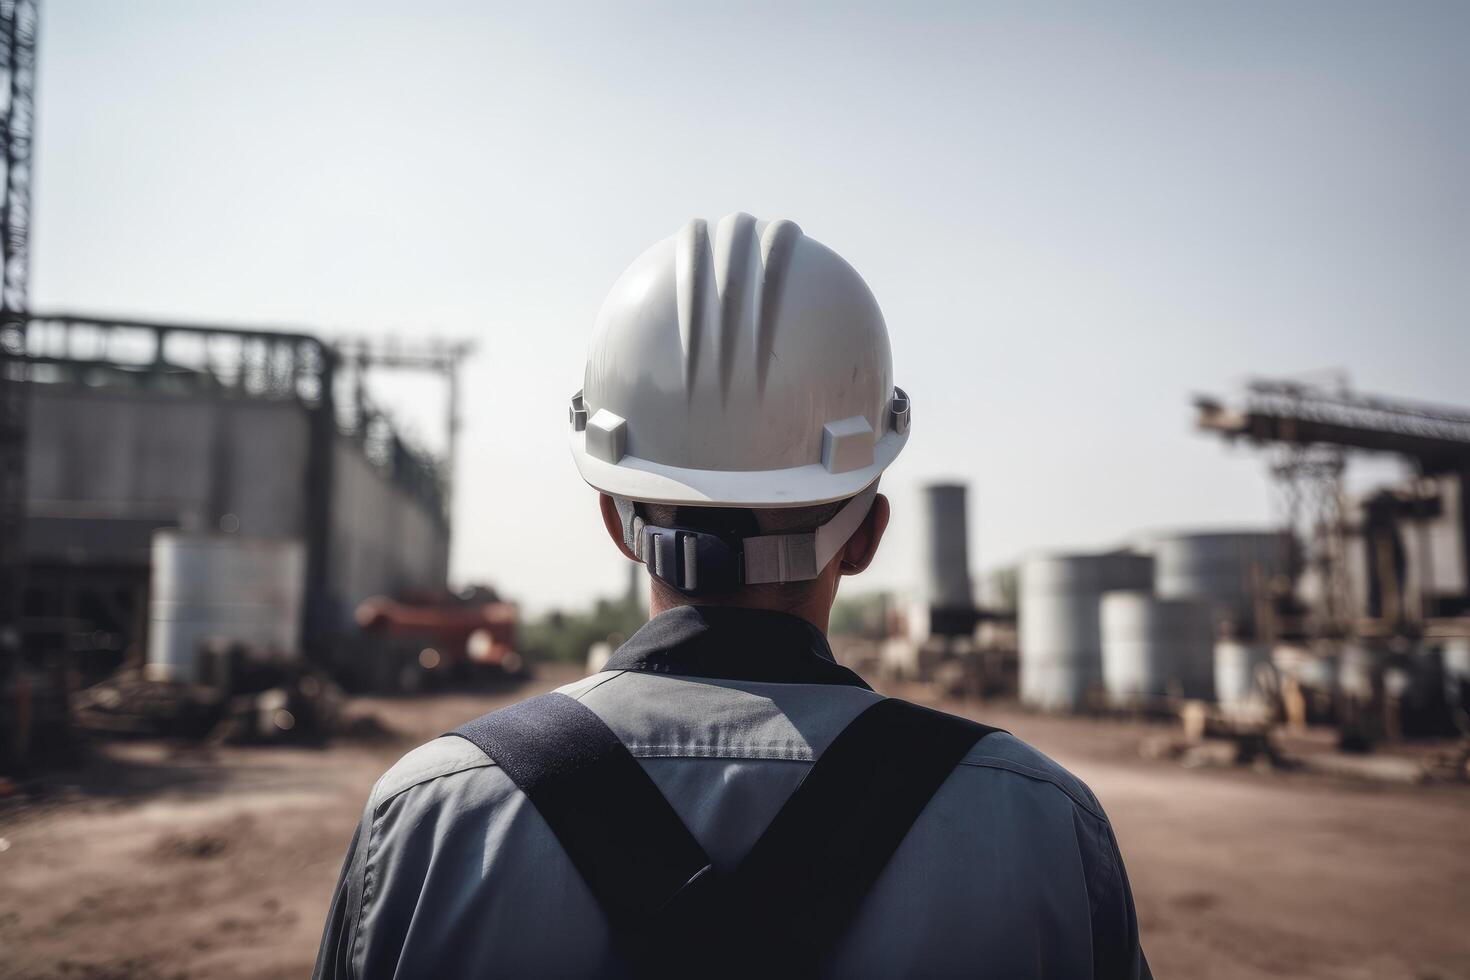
{"x":1311,"y":429}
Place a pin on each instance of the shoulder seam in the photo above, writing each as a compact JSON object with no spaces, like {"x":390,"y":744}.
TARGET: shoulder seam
{"x":362,"y":900}
{"x":610,"y":675}
{"x":1021,"y":769}
{"x":430,"y":775}
{"x":482,"y":762}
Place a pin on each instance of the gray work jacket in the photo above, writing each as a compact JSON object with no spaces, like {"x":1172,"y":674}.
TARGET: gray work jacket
{"x":1011,"y":870}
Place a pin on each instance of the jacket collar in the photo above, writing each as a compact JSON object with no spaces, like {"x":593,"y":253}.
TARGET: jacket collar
{"x":735,"y":644}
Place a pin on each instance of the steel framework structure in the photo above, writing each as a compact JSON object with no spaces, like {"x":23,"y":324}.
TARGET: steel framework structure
{"x":1309,"y":480}
{"x":18,"y":24}
{"x":441,"y":358}
{"x":1311,"y":428}
{"x":273,"y":365}
{"x":1301,"y":414}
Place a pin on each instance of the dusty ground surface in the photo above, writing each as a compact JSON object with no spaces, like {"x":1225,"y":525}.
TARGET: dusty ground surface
{"x":151,"y":861}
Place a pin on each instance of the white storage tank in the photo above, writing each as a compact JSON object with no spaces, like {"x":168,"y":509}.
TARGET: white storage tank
{"x":1357,"y":668}
{"x":222,"y":589}
{"x":1061,"y":650}
{"x":1229,"y":568}
{"x":1456,"y":653}
{"x":1238,"y":667}
{"x":1156,"y":648}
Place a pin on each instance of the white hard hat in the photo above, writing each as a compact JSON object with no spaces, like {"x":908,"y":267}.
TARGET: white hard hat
{"x":747,"y":368}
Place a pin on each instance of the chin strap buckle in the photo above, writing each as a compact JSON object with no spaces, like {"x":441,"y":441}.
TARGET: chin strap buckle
{"x":690,"y":561}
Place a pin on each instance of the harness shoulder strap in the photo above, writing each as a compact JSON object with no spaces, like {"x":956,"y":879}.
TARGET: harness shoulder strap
{"x":810,"y":871}
{"x":798,"y":888}
{"x":624,"y":838}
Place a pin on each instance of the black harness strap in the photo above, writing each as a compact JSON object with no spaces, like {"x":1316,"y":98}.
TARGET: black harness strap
{"x":810,"y":871}
{"x":625,"y":840}
{"x":797,"y":889}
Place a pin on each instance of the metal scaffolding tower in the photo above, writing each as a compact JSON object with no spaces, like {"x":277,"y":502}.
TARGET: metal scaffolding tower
{"x":441,"y":358}
{"x":1311,"y":428}
{"x":18,"y":21}
{"x":1309,"y":480}
{"x":1437,"y":437}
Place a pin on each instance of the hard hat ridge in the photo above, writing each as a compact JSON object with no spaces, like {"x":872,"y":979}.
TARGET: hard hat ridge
{"x":744,"y":365}
{"x":729,"y":289}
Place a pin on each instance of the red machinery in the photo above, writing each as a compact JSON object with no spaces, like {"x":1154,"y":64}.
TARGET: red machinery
{"x":425,"y":636}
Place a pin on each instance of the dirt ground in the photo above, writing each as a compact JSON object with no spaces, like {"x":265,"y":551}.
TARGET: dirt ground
{"x":159,"y":861}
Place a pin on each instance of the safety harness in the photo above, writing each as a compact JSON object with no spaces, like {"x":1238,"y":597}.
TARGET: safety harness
{"x":670,"y":910}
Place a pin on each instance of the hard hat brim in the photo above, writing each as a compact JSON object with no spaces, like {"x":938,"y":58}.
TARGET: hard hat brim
{"x":798,"y":486}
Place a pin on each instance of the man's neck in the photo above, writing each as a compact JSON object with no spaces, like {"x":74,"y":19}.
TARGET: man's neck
{"x":815,"y":608}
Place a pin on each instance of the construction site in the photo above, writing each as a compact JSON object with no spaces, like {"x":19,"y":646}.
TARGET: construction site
{"x":1353,"y":613}
{"x":226,"y":607}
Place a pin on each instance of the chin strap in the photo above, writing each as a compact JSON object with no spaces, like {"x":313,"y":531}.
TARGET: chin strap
{"x":695,"y":561}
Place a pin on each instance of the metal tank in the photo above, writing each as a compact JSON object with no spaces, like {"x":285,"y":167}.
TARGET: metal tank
{"x":1356,"y":669}
{"x":1238,"y":668}
{"x":1456,"y":654}
{"x":1061,"y":650}
{"x":1228,"y":568}
{"x":946,"y":552}
{"x":1156,"y":648}
{"x":226,"y":590}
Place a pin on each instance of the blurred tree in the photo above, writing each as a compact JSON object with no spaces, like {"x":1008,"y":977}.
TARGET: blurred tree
{"x":859,"y":615}
{"x":565,"y":636}
{"x":1004,"y":587}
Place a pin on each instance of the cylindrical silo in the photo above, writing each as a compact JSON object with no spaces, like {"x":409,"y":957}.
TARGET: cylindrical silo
{"x":1238,"y":666}
{"x":1228,"y":568}
{"x":1457,"y":672}
{"x":1456,"y":653}
{"x":947,"y":550}
{"x":1357,"y":668}
{"x":1155,"y":648}
{"x":1061,"y":651}
{"x":222,"y":589}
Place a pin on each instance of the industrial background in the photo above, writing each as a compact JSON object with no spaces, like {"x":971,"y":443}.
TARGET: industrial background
{"x":196,"y":513}
{"x":226,"y":605}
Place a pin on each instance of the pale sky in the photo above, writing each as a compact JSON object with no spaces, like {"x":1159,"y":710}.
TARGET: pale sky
{"x":1073,"y":215}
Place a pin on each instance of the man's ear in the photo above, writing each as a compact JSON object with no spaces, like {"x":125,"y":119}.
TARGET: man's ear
{"x":614,"y":524}
{"x":863,"y":545}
